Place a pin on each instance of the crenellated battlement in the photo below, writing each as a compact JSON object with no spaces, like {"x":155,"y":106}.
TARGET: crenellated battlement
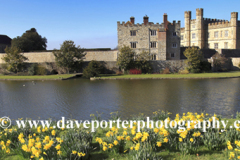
{"x":213,"y":20}
{"x":187,"y":14}
{"x":123,"y":24}
{"x":234,"y":14}
{"x":199,"y":12}
{"x":129,"y":24}
{"x":221,"y":24}
{"x":174,"y":23}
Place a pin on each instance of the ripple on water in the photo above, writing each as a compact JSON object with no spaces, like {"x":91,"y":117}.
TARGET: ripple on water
{"x":79,"y":98}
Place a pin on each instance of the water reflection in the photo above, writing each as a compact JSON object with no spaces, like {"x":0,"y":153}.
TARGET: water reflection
{"x":78,"y":98}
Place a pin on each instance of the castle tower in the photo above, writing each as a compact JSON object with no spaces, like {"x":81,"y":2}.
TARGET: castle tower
{"x":233,"y":21}
{"x":187,"y":17}
{"x":200,"y":28}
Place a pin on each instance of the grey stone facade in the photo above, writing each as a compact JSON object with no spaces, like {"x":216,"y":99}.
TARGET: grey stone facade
{"x":162,"y":41}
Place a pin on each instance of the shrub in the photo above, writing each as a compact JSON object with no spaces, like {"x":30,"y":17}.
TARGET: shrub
{"x":36,"y":69}
{"x":166,"y":71}
{"x":126,"y":58}
{"x":69,"y":56}
{"x":183,"y":71}
{"x":142,"y":62}
{"x":31,"y":69}
{"x":40,"y":70}
{"x":119,"y":73}
{"x":93,"y":69}
{"x":14,"y":59}
{"x":205,"y":66}
{"x":135,"y":71}
{"x":219,"y":62}
{"x":194,"y":59}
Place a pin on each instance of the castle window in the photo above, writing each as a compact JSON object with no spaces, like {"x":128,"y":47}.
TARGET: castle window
{"x":193,"y":36}
{"x":221,"y":34}
{"x":226,"y":33}
{"x":181,"y":37}
{"x":225,"y":45}
{"x":172,"y":55}
{"x":193,"y":26}
{"x":153,"y":32}
{"x":152,"y":44}
{"x":174,"y":45}
{"x":215,"y":45}
{"x":174,"y":34}
{"x":153,"y":56}
{"x":133,"y":44}
{"x":208,"y":34}
{"x":133,"y":33}
{"x":216,"y":34}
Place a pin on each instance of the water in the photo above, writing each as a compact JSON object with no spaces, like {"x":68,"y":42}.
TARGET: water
{"x":78,"y":98}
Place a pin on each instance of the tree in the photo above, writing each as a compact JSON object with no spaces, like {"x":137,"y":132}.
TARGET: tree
{"x":126,"y":58}
{"x":69,"y":56}
{"x":30,"y":41}
{"x":219,"y":62}
{"x":194,"y":59}
{"x":93,"y":69}
{"x":142,"y":62}
{"x":14,"y":59}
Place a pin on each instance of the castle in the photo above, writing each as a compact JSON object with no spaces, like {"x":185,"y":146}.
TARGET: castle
{"x":210,"y":33}
{"x":162,"y":41}
{"x":165,"y":42}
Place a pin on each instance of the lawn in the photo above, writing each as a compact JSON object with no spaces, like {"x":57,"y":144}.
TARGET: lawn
{"x":36,"y":77}
{"x":172,"y":76}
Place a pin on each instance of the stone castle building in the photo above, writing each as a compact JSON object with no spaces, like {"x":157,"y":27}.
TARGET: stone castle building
{"x":162,"y":41}
{"x":210,"y":33}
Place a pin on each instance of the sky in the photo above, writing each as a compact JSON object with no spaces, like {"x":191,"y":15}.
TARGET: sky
{"x":93,"y":23}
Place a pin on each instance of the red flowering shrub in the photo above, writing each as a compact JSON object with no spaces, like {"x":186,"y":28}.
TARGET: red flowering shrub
{"x":135,"y":71}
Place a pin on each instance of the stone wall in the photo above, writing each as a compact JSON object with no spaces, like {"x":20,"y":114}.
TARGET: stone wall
{"x":42,"y":57}
{"x":235,"y":63}
{"x":173,"y":65}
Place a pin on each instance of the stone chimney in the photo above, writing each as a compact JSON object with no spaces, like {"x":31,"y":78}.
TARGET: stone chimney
{"x":145,"y":20}
{"x":132,"y":19}
{"x":165,"y":21}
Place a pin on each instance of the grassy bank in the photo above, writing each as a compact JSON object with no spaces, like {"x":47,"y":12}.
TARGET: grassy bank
{"x":110,"y":143}
{"x":36,"y":77}
{"x":173,"y":76}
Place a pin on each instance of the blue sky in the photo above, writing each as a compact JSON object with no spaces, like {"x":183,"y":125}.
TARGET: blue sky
{"x":93,"y":23}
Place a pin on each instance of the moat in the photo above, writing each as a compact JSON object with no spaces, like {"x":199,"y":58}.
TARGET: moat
{"x":78,"y":98}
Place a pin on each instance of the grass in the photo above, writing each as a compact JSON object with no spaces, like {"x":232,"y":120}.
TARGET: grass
{"x":173,"y":76}
{"x":36,"y":77}
{"x":97,"y":154}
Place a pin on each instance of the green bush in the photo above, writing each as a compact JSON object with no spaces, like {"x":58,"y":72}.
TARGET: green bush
{"x":36,"y":69}
{"x":31,"y":69}
{"x":40,"y":70}
{"x":205,"y":66}
{"x":93,"y":69}
{"x":195,"y":60}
